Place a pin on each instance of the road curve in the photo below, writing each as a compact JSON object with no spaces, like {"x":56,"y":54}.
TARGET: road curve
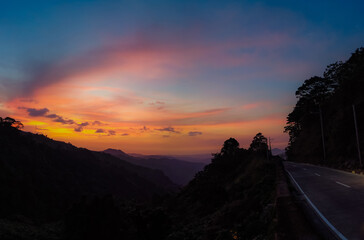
{"x":337,"y":195}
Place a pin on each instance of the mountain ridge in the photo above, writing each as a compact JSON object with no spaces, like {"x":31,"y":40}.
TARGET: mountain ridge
{"x":179,"y":171}
{"x":53,"y":175}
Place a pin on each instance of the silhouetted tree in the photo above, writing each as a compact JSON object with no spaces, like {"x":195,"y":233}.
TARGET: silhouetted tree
{"x":9,"y":122}
{"x":259,"y":143}
{"x":230,"y":147}
{"x":341,"y":86}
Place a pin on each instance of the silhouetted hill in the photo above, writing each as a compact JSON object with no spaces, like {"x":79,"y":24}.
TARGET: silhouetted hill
{"x":180,"y":172}
{"x":90,"y":194}
{"x":329,"y":100}
{"x":41,"y":178}
{"x":232,"y":198}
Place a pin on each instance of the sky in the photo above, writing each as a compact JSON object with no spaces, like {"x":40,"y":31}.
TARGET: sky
{"x":166,"y":77}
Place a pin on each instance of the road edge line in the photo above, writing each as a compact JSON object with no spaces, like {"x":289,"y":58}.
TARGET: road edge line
{"x":331,"y":227}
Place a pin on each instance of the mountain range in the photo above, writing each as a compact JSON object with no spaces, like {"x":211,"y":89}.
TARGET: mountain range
{"x":53,"y":175}
{"x":180,"y":172}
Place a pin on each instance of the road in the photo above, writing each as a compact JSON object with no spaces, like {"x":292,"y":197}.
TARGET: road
{"x":337,"y":195}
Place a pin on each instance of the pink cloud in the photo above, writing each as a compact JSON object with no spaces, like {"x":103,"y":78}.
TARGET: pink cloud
{"x":150,"y":59}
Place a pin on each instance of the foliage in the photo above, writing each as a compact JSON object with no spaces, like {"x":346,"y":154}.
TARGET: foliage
{"x":89,"y":195}
{"x":332,"y":96}
{"x":229,"y":199}
{"x":40,"y":178}
{"x":230,"y":147}
{"x":259,"y":144}
{"x":8,"y":123}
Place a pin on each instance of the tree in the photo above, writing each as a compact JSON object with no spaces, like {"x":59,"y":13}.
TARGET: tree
{"x":9,"y":122}
{"x":259,"y":143}
{"x":331,"y":96}
{"x":230,"y":147}
{"x":312,"y":94}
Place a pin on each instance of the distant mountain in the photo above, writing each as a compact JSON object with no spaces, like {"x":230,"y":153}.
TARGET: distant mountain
{"x":199,"y":158}
{"x":279,"y":152}
{"x":180,"y":172}
{"x":42,"y":178}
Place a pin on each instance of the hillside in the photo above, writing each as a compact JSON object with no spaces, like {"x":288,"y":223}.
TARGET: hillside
{"x":232,"y":198}
{"x":180,"y":172}
{"x":325,"y":105}
{"x":53,"y":190}
{"x":41,"y":178}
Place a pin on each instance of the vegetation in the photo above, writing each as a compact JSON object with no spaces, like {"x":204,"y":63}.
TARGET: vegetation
{"x":41,"y":178}
{"x":230,"y":199}
{"x":329,"y":99}
{"x":8,"y":124}
{"x":53,"y":190}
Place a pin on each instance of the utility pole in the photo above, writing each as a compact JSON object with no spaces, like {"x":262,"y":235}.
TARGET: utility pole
{"x":322,"y":134}
{"x":357,"y":135}
{"x":266,"y":141}
{"x":270,"y":147}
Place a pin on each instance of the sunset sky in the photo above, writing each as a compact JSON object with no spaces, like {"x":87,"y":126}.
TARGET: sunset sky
{"x":166,"y":77}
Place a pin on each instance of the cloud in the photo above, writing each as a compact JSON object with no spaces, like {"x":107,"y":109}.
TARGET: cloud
{"x":52,"y":116}
{"x":84,"y":124}
{"x":125,"y":134}
{"x":64,"y":121}
{"x":33,"y":112}
{"x":112,"y":132}
{"x":144,"y":128}
{"x":78,"y":129}
{"x":97,"y":123}
{"x":100,"y":130}
{"x":167,"y":129}
{"x":80,"y":126}
{"x":146,"y":53}
{"x":192,"y":134}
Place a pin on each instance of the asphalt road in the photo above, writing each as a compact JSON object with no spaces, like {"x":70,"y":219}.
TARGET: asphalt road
{"x":337,"y":195}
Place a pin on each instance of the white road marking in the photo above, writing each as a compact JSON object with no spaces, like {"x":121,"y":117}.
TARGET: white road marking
{"x":342,"y":184}
{"x":339,"y":234}
{"x":317,"y":174}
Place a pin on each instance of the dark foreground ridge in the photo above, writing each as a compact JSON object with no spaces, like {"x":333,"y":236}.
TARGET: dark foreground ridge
{"x":42,"y":178}
{"x":53,"y":190}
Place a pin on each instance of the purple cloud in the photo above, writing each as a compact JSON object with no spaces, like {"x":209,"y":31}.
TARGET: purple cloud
{"x":112,"y":132}
{"x":125,"y":134}
{"x":192,"y":134}
{"x":63,"y":121}
{"x":100,"y":130}
{"x":84,"y":124}
{"x":52,"y":116}
{"x":80,"y":126}
{"x":78,"y":129}
{"x":33,"y":112}
{"x":167,"y":129}
{"x":97,"y":123}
